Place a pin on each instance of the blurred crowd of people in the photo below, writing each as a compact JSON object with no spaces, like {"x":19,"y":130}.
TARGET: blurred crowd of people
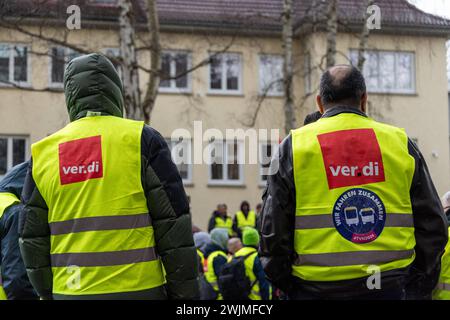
{"x":231,"y":244}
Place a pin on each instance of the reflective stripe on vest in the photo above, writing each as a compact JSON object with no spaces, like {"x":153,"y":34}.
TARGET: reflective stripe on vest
{"x":89,"y":174}
{"x":242,"y":221}
{"x":340,"y":163}
{"x":442,"y":291}
{"x":210,"y":274}
{"x":225,"y":224}
{"x":255,"y":293}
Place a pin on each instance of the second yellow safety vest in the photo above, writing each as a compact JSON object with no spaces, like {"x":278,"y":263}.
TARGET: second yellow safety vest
{"x":353,"y":208}
{"x":102,"y":239}
{"x":225,"y":224}
{"x":442,"y":291}
{"x":210,"y":274}
{"x":255,"y":293}
{"x":243,"y":222}
{"x":6,"y":200}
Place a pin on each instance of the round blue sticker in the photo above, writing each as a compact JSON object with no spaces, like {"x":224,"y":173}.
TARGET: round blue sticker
{"x":359,"y":215}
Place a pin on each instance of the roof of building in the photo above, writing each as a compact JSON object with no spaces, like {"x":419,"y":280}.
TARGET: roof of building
{"x":260,"y":15}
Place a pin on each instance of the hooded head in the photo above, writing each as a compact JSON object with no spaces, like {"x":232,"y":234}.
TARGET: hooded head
{"x":219,"y":236}
{"x":250,"y":237}
{"x":92,"y":84}
{"x":201,"y":240}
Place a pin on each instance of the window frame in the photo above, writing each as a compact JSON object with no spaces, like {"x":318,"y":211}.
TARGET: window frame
{"x":261,"y":89}
{"x":275,"y":145}
{"x":224,"y":78}
{"x":396,"y":53}
{"x":225,"y":181}
{"x":9,"y":148}
{"x":173,"y":86}
{"x":12,"y":82}
{"x":170,"y":143}
{"x":51,"y":84}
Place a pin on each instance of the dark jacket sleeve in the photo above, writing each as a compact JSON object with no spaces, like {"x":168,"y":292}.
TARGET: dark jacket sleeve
{"x":211,"y":223}
{"x":264,"y":285}
{"x":169,"y":208}
{"x":430,"y":229}
{"x":278,"y":217}
{"x":35,"y":238}
{"x":218,"y":263}
{"x":14,"y":276}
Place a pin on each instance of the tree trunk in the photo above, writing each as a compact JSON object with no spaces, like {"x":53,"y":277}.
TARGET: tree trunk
{"x":155,"y":56}
{"x":332,"y":26}
{"x":364,"y":38}
{"x":129,"y":66}
{"x":288,"y":34}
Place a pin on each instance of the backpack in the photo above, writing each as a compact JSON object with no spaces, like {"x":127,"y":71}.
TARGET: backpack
{"x":233,"y":281}
{"x":207,"y":291}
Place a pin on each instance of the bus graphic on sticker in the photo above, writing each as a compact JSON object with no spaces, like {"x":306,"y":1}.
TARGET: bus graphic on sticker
{"x":359,"y":215}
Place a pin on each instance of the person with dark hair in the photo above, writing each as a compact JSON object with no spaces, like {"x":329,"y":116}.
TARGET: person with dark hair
{"x":221,"y":219}
{"x":352,"y":212}
{"x":244,"y":218}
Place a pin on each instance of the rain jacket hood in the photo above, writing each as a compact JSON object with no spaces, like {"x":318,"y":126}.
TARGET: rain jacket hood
{"x":92,"y":84}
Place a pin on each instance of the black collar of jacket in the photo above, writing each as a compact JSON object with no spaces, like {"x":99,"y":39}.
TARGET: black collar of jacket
{"x":342,"y":109}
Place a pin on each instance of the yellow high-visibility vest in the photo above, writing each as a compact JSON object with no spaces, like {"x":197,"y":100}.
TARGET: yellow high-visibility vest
{"x":225,"y":224}
{"x":6,"y":200}
{"x":442,"y":291}
{"x":210,"y":274}
{"x":102,"y":239}
{"x":243,"y":222}
{"x":255,"y":293}
{"x":202,"y":257}
{"x":353,"y":208}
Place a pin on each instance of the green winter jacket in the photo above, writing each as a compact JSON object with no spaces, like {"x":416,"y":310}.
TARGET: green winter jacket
{"x":92,"y":84}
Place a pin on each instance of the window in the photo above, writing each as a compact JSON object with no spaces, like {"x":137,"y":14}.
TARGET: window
{"x":388,"y":72}
{"x":14,"y":64}
{"x":226,"y":163}
{"x":266,"y":152}
{"x":308,"y":74}
{"x":271,"y":75}
{"x":174,"y":66}
{"x":13,"y":151}
{"x":60,"y":57}
{"x":181,"y":152}
{"x":225,"y":73}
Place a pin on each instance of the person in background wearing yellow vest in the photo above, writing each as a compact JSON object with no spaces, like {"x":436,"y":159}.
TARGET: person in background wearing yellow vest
{"x":106,"y":215}
{"x":244,"y":218}
{"x":352,"y":198}
{"x":216,"y":257}
{"x":14,"y":283}
{"x":253,"y":268}
{"x":442,"y":290}
{"x":220,"y":219}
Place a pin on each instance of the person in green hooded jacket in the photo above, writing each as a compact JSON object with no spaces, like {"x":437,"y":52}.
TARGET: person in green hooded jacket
{"x":105,"y":213}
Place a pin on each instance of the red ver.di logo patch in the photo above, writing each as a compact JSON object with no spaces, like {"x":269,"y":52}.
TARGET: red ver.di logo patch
{"x":80,"y":160}
{"x":351,"y":157}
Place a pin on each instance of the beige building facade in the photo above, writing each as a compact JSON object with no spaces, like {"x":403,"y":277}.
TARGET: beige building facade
{"x":406,"y":76}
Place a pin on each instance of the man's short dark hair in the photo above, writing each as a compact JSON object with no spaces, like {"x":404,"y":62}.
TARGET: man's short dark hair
{"x":347,"y":88}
